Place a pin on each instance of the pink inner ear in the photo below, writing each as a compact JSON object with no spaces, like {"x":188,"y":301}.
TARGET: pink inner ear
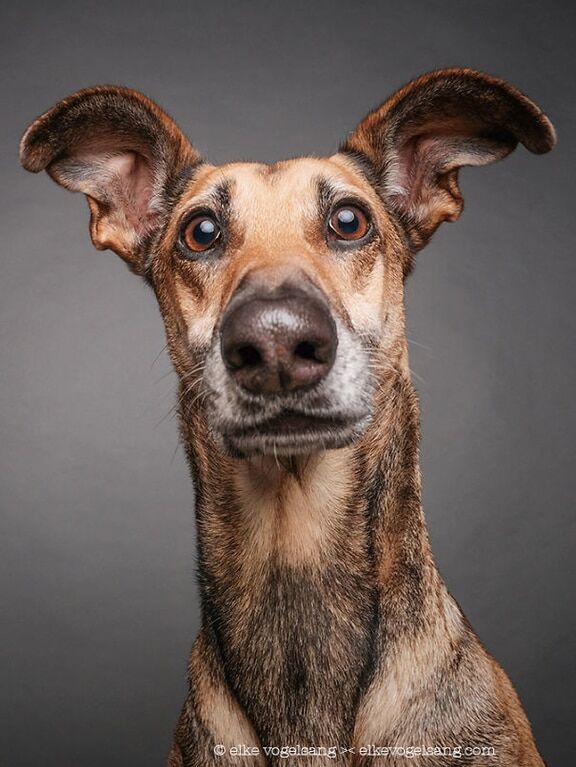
{"x":414,"y":173}
{"x":131,"y":184}
{"x":122,"y":181}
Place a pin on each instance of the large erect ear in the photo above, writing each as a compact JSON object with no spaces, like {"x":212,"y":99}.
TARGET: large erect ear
{"x":417,"y":140}
{"x":119,"y":149}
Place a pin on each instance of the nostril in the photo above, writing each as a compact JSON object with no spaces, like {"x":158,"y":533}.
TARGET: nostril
{"x":307,"y":351}
{"x":245,"y":356}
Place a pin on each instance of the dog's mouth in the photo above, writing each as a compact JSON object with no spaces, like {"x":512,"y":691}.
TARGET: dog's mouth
{"x":292,"y":432}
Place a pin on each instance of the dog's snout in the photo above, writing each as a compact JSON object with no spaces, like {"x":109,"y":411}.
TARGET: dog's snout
{"x":274,"y":345}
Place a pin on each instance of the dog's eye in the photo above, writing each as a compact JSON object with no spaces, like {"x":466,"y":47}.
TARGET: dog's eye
{"x":201,"y":233}
{"x":348,"y":223}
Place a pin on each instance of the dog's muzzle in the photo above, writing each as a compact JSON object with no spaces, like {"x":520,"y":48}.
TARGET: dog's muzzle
{"x":284,"y":375}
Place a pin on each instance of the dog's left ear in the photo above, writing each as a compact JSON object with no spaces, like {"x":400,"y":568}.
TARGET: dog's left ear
{"x":121,"y":150}
{"x":417,"y":140}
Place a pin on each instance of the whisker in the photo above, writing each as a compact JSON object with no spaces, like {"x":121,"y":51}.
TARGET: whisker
{"x":162,"y":377}
{"x":419,"y":378}
{"x":200,"y":366}
{"x":201,"y":396}
{"x":417,"y":343}
{"x":175,"y":453}
{"x":170,"y":414}
{"x":157,"y":357}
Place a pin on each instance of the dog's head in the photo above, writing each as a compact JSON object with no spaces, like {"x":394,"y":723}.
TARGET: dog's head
{"x":281,"y":286}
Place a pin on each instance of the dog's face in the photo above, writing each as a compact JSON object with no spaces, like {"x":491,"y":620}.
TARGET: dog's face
{"x":281,"y":286}
{"x":289,"y":284}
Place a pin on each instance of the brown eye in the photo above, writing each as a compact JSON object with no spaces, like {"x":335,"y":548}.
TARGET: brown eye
{"x":201,"y":233}
{"x":349,"y":223}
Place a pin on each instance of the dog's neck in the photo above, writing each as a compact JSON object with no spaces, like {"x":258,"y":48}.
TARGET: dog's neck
{"x":308,"y":569}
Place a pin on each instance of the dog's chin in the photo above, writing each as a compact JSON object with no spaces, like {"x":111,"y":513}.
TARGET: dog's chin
{"x":292,"y":433}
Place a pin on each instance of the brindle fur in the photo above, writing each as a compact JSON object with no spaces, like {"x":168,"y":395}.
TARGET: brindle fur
{"x":325,"y":621}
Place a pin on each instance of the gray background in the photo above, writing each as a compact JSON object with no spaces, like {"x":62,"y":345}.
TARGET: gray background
{"x":99,"y":604}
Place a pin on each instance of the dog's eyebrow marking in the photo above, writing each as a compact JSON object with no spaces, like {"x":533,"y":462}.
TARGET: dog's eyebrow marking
{"x":217,"y":197}
{"x":330,"y":191}
{"x":221,"y":194}
{"x":326,"y":194}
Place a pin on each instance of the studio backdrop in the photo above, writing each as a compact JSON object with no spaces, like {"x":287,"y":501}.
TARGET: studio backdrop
{"x":99,"y":595}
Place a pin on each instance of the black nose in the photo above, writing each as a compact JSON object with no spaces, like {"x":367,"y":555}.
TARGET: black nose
{"x":273,"y":345}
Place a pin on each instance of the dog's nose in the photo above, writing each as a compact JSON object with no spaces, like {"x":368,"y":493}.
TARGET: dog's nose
{"x":275,"y":345}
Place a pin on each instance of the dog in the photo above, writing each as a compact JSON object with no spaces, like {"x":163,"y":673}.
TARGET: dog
{"x":328,"y":634}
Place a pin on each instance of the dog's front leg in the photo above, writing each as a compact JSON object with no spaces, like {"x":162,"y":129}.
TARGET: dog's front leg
{"x":213,"y":730}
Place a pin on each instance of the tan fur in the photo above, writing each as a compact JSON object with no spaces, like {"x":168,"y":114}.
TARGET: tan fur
{"x":272,"y":500}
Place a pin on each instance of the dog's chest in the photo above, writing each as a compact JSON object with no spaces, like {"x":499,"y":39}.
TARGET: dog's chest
{"x":298,"y":653}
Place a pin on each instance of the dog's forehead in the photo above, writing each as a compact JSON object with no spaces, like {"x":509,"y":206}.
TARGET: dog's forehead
{"x":281,"y":187}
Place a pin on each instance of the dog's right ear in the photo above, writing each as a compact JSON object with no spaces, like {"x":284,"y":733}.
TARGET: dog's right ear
{"x":119,"y":149}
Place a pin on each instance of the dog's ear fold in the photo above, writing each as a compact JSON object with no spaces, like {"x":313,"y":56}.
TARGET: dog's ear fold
{"x":119,"y":149}
{"x":417,"y":140}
